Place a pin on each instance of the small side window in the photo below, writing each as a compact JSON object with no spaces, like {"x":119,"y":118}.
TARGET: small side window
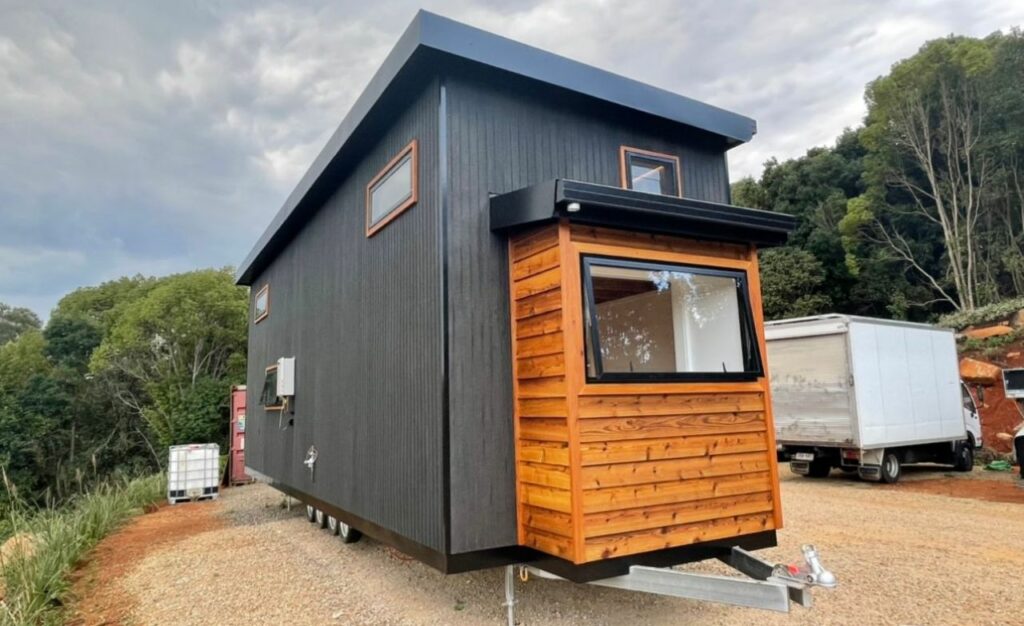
{"x":268,"y":397}
{"x":261,"y":304}
{"x":393,"y":190}
{"x":650,"y":172}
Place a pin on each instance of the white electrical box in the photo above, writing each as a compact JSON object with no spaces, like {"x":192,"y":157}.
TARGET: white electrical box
{"x":286,"y":377}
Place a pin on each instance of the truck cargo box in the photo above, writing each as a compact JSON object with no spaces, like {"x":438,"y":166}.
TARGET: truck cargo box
{"x":841,"y":380}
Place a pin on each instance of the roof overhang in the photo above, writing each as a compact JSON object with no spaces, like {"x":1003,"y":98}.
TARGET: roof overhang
{"x":600,"y":205}
{"x":431,"y":37}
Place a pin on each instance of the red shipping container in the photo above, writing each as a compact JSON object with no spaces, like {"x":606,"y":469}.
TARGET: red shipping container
{"x":236,"y":460}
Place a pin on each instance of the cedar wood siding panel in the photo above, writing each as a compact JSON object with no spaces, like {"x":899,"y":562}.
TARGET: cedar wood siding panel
{"x":363,"y":317}
{"x":505,"y":133}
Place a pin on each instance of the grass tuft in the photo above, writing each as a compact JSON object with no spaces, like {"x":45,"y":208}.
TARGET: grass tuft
{"x":37,"y":578}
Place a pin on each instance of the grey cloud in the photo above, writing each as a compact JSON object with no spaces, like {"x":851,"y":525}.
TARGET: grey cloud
{"x":159,"y":137}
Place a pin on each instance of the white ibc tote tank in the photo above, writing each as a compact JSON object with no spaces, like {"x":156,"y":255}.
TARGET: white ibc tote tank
{"x":193,"y":472}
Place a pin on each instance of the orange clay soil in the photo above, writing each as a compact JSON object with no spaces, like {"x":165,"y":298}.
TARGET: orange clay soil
{"x":98,"y":597}
{"x":990,"y":490}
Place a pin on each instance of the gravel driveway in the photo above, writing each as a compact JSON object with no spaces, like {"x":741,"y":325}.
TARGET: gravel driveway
{"x":902,"y":557}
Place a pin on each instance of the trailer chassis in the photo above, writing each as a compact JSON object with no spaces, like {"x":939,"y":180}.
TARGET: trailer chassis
{"x":767,"y":586}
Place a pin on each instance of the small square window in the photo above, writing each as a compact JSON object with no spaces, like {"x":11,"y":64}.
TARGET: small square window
{"x":650,"y":172}
{"x":392,"y":190}
{"x":261,"y":304}
{"x":268,"y":397}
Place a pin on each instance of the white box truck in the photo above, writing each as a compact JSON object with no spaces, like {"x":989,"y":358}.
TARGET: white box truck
{"x":868,"y":396}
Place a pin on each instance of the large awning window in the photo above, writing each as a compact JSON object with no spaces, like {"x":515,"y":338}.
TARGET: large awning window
{"x":655,"y":321}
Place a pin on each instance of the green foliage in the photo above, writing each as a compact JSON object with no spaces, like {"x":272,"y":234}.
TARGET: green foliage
{"x":791,"y":282}
{"x":14,"y":321}
{"x":71,"y":340}
{"x":174,"y":353}
{"x":982,"y":315}
{"x":38,"y":580}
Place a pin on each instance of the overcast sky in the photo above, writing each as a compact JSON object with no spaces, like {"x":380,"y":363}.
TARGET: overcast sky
{"x":157,"y":137}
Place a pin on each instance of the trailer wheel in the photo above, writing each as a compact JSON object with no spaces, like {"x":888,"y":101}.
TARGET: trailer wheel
{"x":890,"y":470}
{"x":321,"y":519}
{"x":964,"y":457}
{"x":819,"y":468}
{"x":348,"y":534}
{"x":310,"y":513}
{"x":332,"y":525}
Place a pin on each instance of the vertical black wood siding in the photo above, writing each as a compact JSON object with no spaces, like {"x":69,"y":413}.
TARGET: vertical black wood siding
{"x":505,"y":133}
{"x":363,"y":317}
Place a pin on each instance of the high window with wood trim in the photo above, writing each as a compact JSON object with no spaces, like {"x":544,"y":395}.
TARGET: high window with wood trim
{"x":393,"y":190}
{"x":261,"y":304}
{"x":611,"y":468}
{"x":650,"y":172}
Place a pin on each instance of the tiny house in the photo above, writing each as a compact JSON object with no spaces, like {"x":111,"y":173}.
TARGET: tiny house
{"x":510,"y":315}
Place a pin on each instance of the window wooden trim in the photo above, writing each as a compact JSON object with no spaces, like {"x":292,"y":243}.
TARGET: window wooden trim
{"x":625,"y":151}
{"x":413,"y":147}
{"x":273,"y":407}
{"x":265,"y":289}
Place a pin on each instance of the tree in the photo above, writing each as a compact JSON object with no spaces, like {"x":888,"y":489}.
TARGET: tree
{"x":171,"y":355}
{"x":14,"y":321}
{"x":926,"y":134}
{"x":791,"y":279}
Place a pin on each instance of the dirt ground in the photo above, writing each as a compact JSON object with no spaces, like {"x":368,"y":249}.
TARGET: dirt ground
{"x":933,"y":549}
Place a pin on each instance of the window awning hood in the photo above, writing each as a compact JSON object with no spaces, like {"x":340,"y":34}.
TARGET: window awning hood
{"x":600,"y":205}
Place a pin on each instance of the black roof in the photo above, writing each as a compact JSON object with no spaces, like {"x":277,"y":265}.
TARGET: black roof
{"x":431,"y":34}
{"x":601,"y":205}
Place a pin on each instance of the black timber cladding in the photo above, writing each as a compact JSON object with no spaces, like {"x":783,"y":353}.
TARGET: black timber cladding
{"x":363,"y":318}
{"x":600,"y":205}
{"x":506,"y":133}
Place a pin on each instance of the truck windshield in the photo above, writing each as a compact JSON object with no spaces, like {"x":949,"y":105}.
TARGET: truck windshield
{"x":655,"y":321}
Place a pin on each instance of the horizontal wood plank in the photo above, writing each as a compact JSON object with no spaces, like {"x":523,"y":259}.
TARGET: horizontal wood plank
{"x":618,"y":428}
{"x":688,"y":388}
{"x":543,"y":429}
{"x":547,"y":520}
{"x":539,"y":345}
{"x":549,"y":452}
{"x":535,"y":263}
{"x":539,"y":303}
{"x":549,"y":387}
{"x":666,"y":470}
{"x":634,"y":450}
{"x":629,"y":520}
{"x":617,"y":498}
{"x":648,"y":241}
{"x":543,"y":407}
{"x":545,"y":475}
{"x":668,"y":404}
{"x":538,"y":283}
{"x":673,"y":536}
{"x":540,"y":366}
{"x":550,"y":322}
{"x":549,"y":543}
{"x":546,"y":497}
{"x":531,"y":243}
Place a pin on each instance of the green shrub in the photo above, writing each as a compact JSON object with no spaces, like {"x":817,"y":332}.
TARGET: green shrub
{"x":37,"y":584}
{"x":982,"y":315}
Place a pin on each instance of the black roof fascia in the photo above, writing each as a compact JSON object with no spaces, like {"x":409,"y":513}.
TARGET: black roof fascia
{"x":601,"y":205}
{"x":435,"y":33}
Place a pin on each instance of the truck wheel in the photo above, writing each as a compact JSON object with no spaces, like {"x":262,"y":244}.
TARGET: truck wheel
{"x":310,"y":513}
{"x":964,"y":457}
{"x":890,"y":471}
{"x":348,"y":534}
{"x":321,"y":519}
{"x":819,"y":468}
{"x":332,"y":525}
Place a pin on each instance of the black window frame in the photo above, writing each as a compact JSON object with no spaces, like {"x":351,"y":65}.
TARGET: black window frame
{"x":753,"y":362}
